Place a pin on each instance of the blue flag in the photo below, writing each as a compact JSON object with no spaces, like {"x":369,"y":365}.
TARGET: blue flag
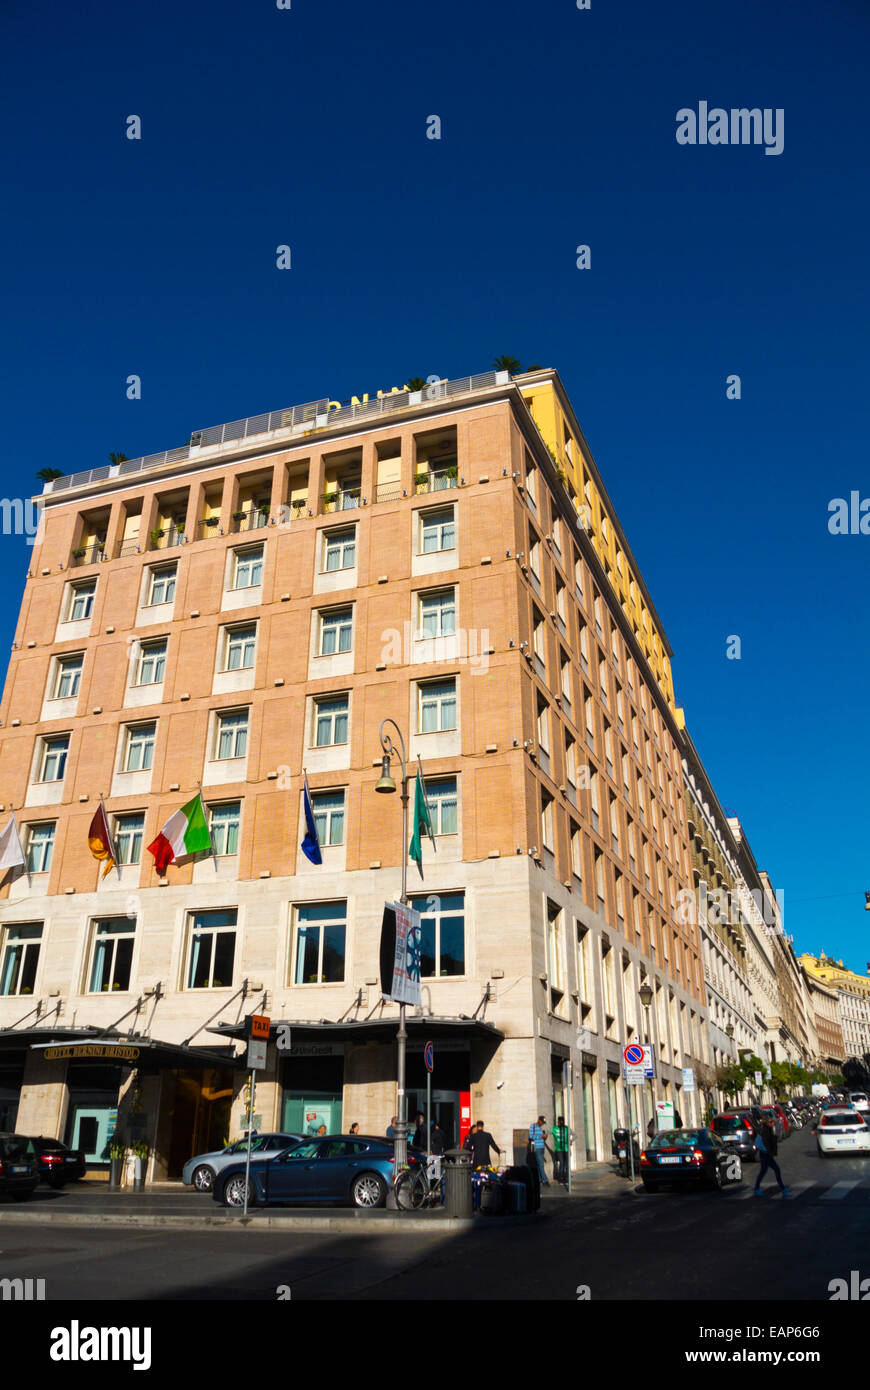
{"x":310,"y":844}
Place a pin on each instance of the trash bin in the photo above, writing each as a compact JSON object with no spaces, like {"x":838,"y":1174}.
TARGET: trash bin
{"x":457,"y":1182}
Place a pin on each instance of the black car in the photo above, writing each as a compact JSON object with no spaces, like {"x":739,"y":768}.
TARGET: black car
{"x":688,"y":1158}
{"x":737,"y":1132}
{"x":18,"y":1175}
{"x":55,"y":1163}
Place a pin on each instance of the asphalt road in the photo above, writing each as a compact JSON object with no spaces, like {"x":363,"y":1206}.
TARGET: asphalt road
{"x":621,"y":1243}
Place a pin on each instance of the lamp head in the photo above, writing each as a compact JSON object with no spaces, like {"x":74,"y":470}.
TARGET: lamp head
{"x":385,"y":782}
{"x":646,"y":994}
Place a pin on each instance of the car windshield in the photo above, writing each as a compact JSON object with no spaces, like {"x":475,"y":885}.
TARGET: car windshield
{"x":856,"y":1096}
{"x":726,"y":1124}
{"x":14,"y":1147}
{"x":838,"y":1119}
{"x":676,"y":1139}
{"x":304,"y":1150}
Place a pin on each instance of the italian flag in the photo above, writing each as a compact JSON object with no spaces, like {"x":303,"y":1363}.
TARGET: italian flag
{"x":185,"y":833}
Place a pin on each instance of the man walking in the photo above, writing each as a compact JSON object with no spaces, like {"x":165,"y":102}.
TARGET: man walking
{"x":480,"y":1142}
{"x":537,"y":1143}
{"x":561,"y":1138}
{"x":765,"y":1143}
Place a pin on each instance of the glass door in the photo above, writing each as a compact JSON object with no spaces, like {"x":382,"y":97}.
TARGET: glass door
{"x":90,"y":1132}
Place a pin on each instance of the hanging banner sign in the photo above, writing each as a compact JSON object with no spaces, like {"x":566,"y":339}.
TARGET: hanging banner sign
{"x":401,"y":949}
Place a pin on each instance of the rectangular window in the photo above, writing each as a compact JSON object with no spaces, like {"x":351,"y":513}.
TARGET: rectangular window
{"x":129,"y":830}
{"x":223,"y":823}
{"x":139,"y":753}
{"x":547,"y":821}
{"x":81,"y":600}
{"x":328,"y":809}
{"x":53,"y":765}
{"x":112,"y":956}
{"x":20,"y":958}
{"x":339,"y":550}
{"x":437,"y":530}
{"x":69,"y":675}
{"x":441,"y":799}
{"x":443,"y":930}
{"x":248,"y":567}
{"x":40,"y":843}
{"x":212,"y":949}
{"x":582,"y":965}
{"x":331,"y":715}
{"x":555,"y":962}
{"x":437,"y":711}
{"x":232,"y":734}
{"x":336,"y":631}
{"x":566,"y":686}
{"x":577,"y":852}
{"x":437,"y":616}
{"x":152,"y":663}
{"x":241,"y":644}
{"x":321,"y":931}
{"x":161,"y":588}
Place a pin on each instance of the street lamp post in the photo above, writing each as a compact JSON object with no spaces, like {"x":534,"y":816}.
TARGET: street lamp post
{"x":386,"y":784}
{"x":645,"y":994}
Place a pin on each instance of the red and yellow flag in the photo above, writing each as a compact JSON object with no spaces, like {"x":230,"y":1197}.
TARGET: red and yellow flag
{"x":100,"y":840}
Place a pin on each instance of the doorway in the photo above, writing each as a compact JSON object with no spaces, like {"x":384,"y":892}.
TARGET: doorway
{"x":445,"y":1109}
{"x":91,"y":1131}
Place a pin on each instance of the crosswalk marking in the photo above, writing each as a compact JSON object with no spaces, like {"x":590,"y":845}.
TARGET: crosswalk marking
{"x":839,"y":1190}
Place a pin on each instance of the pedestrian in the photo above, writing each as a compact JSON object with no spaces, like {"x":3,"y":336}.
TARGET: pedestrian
{"x":678,"y":1119}
{"x":354,"y":1129}
{"x":439,"y":1139}
{"x":480,"y":1141}
{"x":537,"y":1143}
{"x":561,"y":1138}
{"x":391,"y":1127}
{"x":651,"y":1128}
{"x":765,"y":1143}
{"x":419,"y":1140}
{"x":321,"y":1131}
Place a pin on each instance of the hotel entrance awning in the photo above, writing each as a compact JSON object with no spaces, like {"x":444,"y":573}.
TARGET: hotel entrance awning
{"x":379,"y":1030}
{"x":130,"y":1050}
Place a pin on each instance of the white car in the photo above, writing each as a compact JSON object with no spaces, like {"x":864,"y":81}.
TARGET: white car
{"x":842,"y":1131}
{"x":199,"y":1172}
{"x":860,"y":1101}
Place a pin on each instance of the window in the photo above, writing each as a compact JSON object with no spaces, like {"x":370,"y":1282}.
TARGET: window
{"x":441,"y":799}
{"x":248,"y":567}
{"x":212,"y":949}
{"x":571,"y":766}
{"x":584,"y":646}
{"x":69,"y":675}
{"x":437,"y":614}
{"x":81,"y":600}
{"x":543,"y":726}
{"x":152,"y":663}
{"x":578,"y":580}
{"x":330,"y":720}
{"x":547,"y":821}
{"x":321,"y":930}
{"x":328,"y":809}
{"x":599,"y":880}
{"x":531,"y":482}
{"x":20,"y":958}
{"x":594,"y":803}
{"x":129,"y":830}
{"x":40,"y":843}
{"x":336,"y":631}
{"x":223,"y":825}
{"x":339,"y":550}
{"x":582,"y":962}
{"x":437,"y":706}
{"x":577,"y":852}
{"x":161,"y":588}
{"x":539,"y":643}
{"x":139,"y":753}
{"x":555,"y":953}
{"x":443,"y":931}
{"x":437,"y":530}
{"x":240,"y":646}
{"x":232,"y":734}
{"x":566,"y":686}
{"x":112,"y":954}
{"x":53,"y":765}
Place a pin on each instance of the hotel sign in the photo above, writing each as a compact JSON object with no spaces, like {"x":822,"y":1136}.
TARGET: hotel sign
{"x":106,"y":1052}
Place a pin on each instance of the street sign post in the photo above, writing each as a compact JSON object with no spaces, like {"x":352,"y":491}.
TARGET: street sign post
{"x":664,"y":1114}
{"x":637,"y":1063}
{"x":429,"y":1061}
{"x":688,"y":1078}
{"x":258,"y":1042}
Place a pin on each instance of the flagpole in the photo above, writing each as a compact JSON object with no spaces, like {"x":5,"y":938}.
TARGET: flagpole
{"x":111,"y":846}
{"x":205,"y":818}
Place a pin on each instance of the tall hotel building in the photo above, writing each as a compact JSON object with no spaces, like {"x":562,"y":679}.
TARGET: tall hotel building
{"x":255,"y":603}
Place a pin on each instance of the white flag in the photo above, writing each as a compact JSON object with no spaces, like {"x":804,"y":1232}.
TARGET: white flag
{"x":11,"y":853}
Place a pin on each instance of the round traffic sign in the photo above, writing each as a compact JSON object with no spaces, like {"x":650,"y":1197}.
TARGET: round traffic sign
{"x":429,"y":1056}
{"x":633,"y":1054}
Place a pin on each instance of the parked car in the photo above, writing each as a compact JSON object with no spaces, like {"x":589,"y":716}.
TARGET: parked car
{"x":860,"y":1101}
{"x":783,"y":1115}
{"x":200,"y":1172}
{"x":842,"y":1131}
{"x":57,"y":1164}
{"x":688,"y":1158}
{"x":18,"y":1174}
{"x":737,"y":1132}
{"x":355,"y":1168}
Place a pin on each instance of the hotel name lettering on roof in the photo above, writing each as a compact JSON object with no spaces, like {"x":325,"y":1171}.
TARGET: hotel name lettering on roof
{"x":115,"y":1052}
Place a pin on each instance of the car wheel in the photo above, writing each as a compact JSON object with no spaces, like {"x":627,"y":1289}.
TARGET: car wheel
{"x":368,"y":1190}
{"x":234,"y":1193}
{"x":202,"y":1178}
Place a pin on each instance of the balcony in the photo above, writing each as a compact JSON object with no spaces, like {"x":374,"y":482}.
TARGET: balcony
{"x":388,"y":492}
{"x":164,"y":538}
{"x":250,"y":519}
{"x":437,"y":479}
{"x":87,"y":554}
{"x":343,"y":499}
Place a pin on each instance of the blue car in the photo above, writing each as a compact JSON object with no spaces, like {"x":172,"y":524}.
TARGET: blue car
{"x":354,"y":1168}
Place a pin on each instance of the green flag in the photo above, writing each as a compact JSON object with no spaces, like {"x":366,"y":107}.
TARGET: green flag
{"x":422,"y":824}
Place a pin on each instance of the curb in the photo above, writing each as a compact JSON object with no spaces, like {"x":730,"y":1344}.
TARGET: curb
{"x":364,"y":1224}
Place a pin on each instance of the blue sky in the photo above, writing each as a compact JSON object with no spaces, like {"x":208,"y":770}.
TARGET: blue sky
{"x":307,"y":127}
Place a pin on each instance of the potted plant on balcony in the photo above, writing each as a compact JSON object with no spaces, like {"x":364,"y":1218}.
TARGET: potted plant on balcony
{"x":452,"y":471}
{"x":329,"y":498}
{"x":212,"y":520}
{"x":298,"y":505}
{"x":80,"y":552}
{"x":239,"y":516}
{"x":117,"y":1154}
{"x":156,"y":536}
{"x":142,"y":1151}
{"x":421,"y":479}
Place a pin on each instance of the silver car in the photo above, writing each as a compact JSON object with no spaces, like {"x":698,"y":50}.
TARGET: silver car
{"x":199,"y":1172}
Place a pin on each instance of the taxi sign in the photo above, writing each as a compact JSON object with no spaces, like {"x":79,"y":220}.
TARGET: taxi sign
{"x":259,"y":1026}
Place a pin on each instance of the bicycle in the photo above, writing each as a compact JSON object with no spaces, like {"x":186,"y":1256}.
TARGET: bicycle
{"x":420,"y":1186}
